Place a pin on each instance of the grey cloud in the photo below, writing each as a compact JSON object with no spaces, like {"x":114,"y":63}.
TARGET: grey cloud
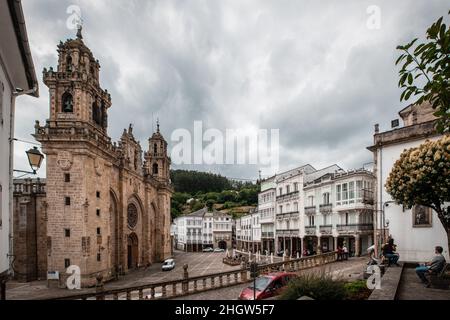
{"x":310,"y":68}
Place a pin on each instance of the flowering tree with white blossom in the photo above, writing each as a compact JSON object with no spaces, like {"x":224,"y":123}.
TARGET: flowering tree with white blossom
{"x":422,"y":177}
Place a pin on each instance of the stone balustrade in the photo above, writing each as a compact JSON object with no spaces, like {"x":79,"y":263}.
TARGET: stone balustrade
{"x":189,"y":285}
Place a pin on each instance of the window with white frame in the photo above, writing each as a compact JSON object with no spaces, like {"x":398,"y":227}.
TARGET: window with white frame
{"x":311,"y":220}
{"x":295,"y":206}
{"x":295,"y":186}
{"x":288,"y":189}
{"x":311,"y":201}
{"x":338,"y":194}
{"x":326,"y":198}
{"x":359,"y":193}
{"x":351,"y":192}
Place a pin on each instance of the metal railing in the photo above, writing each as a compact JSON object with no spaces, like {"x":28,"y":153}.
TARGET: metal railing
{"x":354,"y":227}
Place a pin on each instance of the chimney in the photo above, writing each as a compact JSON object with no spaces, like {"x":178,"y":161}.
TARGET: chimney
{"x":377,"y":128}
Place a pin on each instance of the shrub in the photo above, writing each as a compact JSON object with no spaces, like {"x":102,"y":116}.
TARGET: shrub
{"x":316,"y":286}
{"x":357,"y":290}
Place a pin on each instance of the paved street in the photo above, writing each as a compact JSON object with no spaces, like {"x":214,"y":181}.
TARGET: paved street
{"x":351,"y":270}
{"x":199,"y":264}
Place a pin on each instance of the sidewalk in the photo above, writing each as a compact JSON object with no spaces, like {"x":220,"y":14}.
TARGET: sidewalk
{"x":411,"y":288}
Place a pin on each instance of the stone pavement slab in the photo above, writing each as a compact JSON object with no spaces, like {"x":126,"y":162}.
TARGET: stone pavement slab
{"x":411,"y":288}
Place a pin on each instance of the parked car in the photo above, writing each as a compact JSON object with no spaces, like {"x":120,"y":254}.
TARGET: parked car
{"x":209,"y":249}
{"x":168,"y":265}
{"x":219,"y":250}
{"x":268,"y":285}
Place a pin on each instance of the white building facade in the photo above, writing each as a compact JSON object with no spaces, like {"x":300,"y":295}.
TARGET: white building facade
{"x":266,"y":210}
{"x":202,"y":229}
{"x":17,"y":77}
{"x":338,"y":211}
{"x":416,"y":232}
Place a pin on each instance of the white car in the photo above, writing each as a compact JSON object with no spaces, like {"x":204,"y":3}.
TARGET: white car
{"x":219,"y":250}
{"x":168,"y":265}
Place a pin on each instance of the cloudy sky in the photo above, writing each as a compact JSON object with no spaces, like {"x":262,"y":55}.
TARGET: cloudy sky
{"x":319,"y":71}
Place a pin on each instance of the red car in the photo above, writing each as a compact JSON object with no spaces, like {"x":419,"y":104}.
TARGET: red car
{"x":268,"y":285}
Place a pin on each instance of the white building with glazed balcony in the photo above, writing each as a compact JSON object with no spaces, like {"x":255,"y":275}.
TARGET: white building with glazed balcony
{"x":290,"y":204}
{"x":339,"y":210}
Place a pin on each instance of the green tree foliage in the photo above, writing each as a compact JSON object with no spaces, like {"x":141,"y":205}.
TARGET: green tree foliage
{"x":193,"y":182}
{"x":425,"y":73}
{"x":422,"y":177}
{"x":209,"y":189}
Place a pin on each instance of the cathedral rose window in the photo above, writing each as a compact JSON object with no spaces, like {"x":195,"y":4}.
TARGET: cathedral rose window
{"x":132,"y":216}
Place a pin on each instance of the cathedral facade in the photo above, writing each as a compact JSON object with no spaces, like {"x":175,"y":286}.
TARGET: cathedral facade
{"x":107,"y":205}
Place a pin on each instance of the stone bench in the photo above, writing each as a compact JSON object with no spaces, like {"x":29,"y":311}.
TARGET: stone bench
{"x":389,"y":284}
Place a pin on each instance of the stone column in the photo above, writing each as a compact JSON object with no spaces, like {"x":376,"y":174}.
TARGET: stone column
{"x":319,"y":245}
{"x":290,"y":249}
{"x":357,"y":245}
{"x":335,"y":243}
{"x":302,"y":248}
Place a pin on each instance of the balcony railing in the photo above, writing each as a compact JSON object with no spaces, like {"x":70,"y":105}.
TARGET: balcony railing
{"x":326,"y":229}
{"x":354,"y":227}
{"x":326,"y":208}
{"x":288,"y":215}
{"x":267,"y":234}
{"x":310,"y":230}
{"x":287,"y":232}
{"x":288,"y":196}
{"x":310,"y":210}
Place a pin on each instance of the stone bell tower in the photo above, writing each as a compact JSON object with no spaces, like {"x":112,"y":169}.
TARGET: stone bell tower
{"x":79,"y":157}
{"x":157,"y":160}
{"x":75,"y":93}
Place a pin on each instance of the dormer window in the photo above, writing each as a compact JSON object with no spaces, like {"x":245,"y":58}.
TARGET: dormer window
{"x":67,"y":103}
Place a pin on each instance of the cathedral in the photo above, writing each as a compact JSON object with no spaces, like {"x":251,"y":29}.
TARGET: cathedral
{"x":107,"y":205}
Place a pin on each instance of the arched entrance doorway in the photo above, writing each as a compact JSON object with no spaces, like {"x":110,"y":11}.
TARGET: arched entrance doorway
{"x":133,"y":250}
{"x":223,"y":244}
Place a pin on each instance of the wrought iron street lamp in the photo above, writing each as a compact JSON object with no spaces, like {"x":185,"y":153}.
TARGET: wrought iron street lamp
{"x":35,"y":158}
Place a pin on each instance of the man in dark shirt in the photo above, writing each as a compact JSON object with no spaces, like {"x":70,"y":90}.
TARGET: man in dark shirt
{"x":389,"y":252}
{"x":434,"y":266}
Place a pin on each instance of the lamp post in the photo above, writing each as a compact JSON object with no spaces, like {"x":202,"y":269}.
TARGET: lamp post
{"x":35,"y":158}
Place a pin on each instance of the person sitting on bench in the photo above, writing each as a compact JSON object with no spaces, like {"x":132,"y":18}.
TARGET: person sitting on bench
{"x":389,"y":252}
{"x":435,"y":266}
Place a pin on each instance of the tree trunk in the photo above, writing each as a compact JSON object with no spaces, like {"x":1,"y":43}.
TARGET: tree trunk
{"x":448,"y":242}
